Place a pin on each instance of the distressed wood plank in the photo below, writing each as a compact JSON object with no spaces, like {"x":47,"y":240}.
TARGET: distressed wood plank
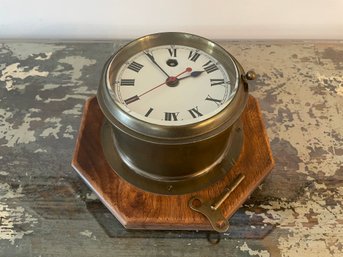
{"x":43,"y":86}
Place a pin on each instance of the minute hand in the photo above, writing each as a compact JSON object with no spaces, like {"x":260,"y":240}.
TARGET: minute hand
{"x":154,"y":62}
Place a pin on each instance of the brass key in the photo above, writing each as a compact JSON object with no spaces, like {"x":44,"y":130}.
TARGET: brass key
{"x":211,"y":209}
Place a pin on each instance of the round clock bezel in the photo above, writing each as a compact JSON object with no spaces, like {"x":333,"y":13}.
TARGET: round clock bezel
{"x":171,"y":133}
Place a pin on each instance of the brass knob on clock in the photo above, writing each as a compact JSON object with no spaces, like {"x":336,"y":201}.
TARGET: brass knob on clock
{"x":250,"y":75}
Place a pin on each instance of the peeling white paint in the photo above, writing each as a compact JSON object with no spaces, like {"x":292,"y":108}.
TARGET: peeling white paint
{"x":13,"y":71}
{"x":35,"y":110}
{"x":313,"y":228}
{"x":4,"y":173}
{"x":86,"y":233}
{"x":66,"y":135}
{"x":67,"y":132}
{"x":260,"y":253}
{"x":84,"y":90}
{"x":77,"y":62}
{"x":77,"y":110}
{"x":58,"y":69}
{"x":20,"y":134}
{"x":91,"y":196}
{"x":40,"y":151}
{"x":54,"y":129}
{"x":298,"y":96}
{"x":336,"y":81}
{"x":340,"y":90}
{"x":340,"y":190}
{"x":319,"y":186}
{"x":38,"y":98}
{"x":6,"y":192}
{"x":47,"y":56}
{"x":12,"y":216}
{"x":65,"y":98}
{"x":49,"y":87}
{"x":24,"y":50}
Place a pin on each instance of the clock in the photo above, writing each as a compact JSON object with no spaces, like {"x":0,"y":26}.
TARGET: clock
{"x":172,"y":103}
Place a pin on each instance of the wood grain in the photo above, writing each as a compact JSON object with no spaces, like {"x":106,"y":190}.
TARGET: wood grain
{"x":137,"y":209}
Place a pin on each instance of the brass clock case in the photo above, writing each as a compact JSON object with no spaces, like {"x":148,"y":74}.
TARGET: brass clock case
{"x":167,"y":159}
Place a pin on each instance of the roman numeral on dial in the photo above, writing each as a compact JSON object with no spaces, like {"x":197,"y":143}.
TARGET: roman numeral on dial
{"x":127,"y":82}
{"x":169,"y":116}
{"x":131,"y":99}
{"x":148,"y":112}
{"x":208,"y":67}
{"x":135,"y":66}
{"x":172,"y":52}
{"x":215,"y":82}
{"x":195,"y":112}
{"x":193,"y":56}
{"x":216,"y":101}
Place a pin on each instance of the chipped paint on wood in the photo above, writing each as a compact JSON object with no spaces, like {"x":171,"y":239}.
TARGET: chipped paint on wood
{"x":24,"y":51}
{"x":13,"y":72}
{"x":297,"y":211}
{"x":259,"y":253}
{"x":76,"y":110}
{"x":68,"y":131}
{"x":88,"y":234}
{"x":44,"y":56}
{"x":21,"y":133}
{"x":78,"y":63}
{"x":53,"y":129}
{"x":65,"y":98}
{"x":313,"y":228}
{"x":12,"y":216}
{"x":50,"y":86}
{"x":40,"y":151}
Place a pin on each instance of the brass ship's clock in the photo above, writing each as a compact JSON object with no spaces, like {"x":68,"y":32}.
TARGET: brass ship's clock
{"x":172,"y":103}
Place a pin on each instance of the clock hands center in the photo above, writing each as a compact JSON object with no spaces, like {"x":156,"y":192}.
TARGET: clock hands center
{"x":174,"y":81}
{"x":170,"y":80}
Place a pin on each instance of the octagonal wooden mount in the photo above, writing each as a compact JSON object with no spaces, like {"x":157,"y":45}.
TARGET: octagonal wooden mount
{"x":137,"y":209}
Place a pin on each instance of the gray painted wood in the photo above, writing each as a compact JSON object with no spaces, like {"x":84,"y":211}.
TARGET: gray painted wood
{"x":46,"y":209}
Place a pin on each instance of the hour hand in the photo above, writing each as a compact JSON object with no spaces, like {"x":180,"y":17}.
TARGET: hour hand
{"x":151,"y":57}
{"x":194,"y":74}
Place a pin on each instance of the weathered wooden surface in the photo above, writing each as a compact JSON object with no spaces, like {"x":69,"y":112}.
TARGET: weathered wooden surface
{"x":136,"y":209}
{"x":46,"y":210}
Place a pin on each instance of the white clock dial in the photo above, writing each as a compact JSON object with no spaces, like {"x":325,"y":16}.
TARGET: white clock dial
{"x":173,"y":85}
